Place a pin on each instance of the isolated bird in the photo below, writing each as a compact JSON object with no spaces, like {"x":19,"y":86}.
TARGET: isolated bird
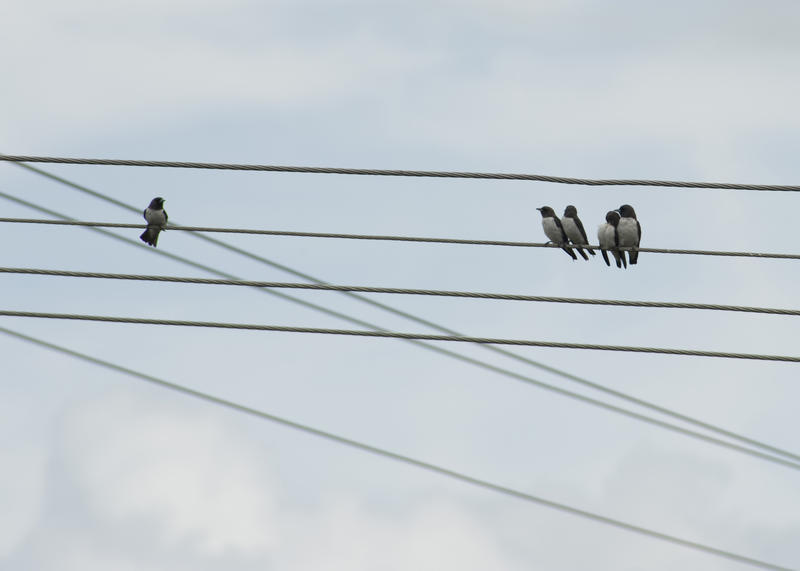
{"x":573,"y":227}
{"x":156,"y":218}
{"x":554,"y":230}
{"x":629,"y":231}
{"x":607,"y":235}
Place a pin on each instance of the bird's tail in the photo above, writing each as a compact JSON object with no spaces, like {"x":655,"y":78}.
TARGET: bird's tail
{"x":582,"y":253}
{"x":150,"y":236}
{"x":571,"y":253}
{"x":605,"y":257}
{"x":634,"y":256}
{"x":590,"y":251}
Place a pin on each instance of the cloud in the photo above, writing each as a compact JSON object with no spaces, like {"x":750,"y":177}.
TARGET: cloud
{"x":20,"y":493}
{"x":22,"y":477}
{"x":205,"y":490}
{"x":184,"y":473}
{"x":435,"y":536}
{"x":125,"y":65}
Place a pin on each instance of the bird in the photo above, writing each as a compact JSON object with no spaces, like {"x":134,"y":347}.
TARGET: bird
{"x":573,"y":227}
{"x":156,"y":218}
{"x":554,"y":230}
{"x":607,"y":235}
{"x":630,"y":232}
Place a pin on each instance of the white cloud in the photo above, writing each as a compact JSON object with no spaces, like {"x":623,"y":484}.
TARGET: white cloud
{"x":129,"y":64}
{"x":436,"y":536}
{"x":184,"y":473}
{"x":22,"y":473}
{"x":21,"y":491}
{"x":201,"y":485}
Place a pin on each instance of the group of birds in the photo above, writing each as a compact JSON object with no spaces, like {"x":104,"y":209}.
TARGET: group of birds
{"x":620,"y":230}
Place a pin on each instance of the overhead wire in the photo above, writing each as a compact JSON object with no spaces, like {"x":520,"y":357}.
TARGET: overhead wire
{"x":455,"y":355}
{"x":400,"y":173}
{"x":377,"y":451}
{"x":397,"y":335}
{"x":404,"y":291}
{"x":419,"y":239}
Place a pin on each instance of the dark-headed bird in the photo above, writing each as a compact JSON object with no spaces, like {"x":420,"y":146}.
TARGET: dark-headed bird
{"x":573,"y":227}
{"x":609,"y":239}
{"x":554,"y":230}
{"x":630,"y":232}
{"x":156,"y":218}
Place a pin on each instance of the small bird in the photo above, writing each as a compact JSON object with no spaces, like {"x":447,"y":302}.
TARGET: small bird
{"x":630,"y":232}
{"x":156,"y":218}
{"x":573,"y":227}
{"x":609,"y":240}
{"x":554,"y":230}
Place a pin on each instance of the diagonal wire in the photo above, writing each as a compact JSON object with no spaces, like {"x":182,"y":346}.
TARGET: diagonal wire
{"x":420,"y":239}
{"x":374,"y":450}
{"x":405,"y":173}
{"x":405,"y":291}
{"x":552,"y":370}
{"x":482,"y":364}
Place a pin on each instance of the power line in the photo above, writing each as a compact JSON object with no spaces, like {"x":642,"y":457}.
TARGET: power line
{"x":452,"y":354}
{"x":404,"y":291}
{"x":402,"y":458}
{"x":420,"y":239}
{"x":395,"y":335}
{"x":403,"y":173}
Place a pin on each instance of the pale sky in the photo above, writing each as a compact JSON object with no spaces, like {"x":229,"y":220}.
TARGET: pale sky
{"x":102,"y":471}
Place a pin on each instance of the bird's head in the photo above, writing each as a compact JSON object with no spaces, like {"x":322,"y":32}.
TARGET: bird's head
{"x":157,"y":203}
{"x":612,"y":217}
{"x":547,"y":212}
{"x":571,"y":212}
{"x":627,"y":211}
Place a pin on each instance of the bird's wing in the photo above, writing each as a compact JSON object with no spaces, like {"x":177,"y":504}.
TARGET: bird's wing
{"x":560,"y":227}
{"x":579,"y":224}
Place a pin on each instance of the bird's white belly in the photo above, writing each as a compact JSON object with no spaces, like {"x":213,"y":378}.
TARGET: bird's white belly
{"x":156,"y":217}
{"x":628,"y":232}
{"x":573,"y":233}
{"x":552,"y":231}
{"x":605,"y":234}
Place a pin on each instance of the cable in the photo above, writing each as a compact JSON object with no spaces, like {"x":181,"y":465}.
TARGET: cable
{"x":403,"y":291}
{"x":399,"y":457}
{"x":395,"y":335}
{"x":458,"y":356}
{"x":405,"y":173}
{"x":394,"y":238}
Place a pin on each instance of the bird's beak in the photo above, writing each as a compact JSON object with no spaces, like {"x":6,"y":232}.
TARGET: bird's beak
{"x":539,"y":209}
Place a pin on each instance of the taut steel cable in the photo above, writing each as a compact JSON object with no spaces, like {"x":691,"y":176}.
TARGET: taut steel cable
{"x":420,"y":239}
{"x":403,"y":291}
{"x":721,"y":442}
{"x":403,"y":173}
{"x":524,"y":496}
{"x":395,"y":335}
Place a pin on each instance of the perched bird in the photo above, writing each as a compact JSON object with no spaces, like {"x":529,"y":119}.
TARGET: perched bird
{"x":630,"y":232}
{"x":609,"y":240}
{"x":573,"y":227}
{"x":156,"y":218}
{"x":554,"y":230}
